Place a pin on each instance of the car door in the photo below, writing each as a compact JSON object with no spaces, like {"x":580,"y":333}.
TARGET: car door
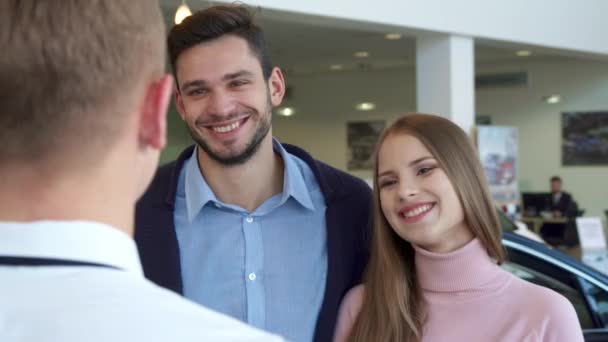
{"x":586,"y":289}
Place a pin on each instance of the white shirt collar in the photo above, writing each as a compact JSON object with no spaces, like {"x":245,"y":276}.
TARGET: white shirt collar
{"x":70,"y":240}
{"x":557,"y":196}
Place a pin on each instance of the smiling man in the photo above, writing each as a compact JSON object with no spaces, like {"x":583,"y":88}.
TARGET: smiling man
{"x":227,"y":101}
{"x":241,"y":223}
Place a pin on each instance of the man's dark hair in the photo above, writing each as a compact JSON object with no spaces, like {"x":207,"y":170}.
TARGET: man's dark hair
{"x":556,"y":179}
{"x":213,"y":23}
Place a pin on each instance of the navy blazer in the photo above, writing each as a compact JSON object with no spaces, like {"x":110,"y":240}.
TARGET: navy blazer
{"x":566,"y":205}
{"x":348,"y":223}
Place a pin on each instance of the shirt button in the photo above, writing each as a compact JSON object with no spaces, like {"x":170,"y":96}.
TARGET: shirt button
{"x":252,"y":276}
{"x":217,"y":205}
{"x":249,"y":219}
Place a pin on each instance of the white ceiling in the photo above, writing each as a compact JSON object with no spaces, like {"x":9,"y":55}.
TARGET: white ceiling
{"x":307,"y":45}
{"x":304,"y":47}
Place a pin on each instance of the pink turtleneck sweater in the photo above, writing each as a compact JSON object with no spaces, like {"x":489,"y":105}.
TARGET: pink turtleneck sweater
{"x":470,"y":298}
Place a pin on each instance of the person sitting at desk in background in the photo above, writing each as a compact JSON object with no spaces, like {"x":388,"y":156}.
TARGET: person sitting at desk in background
{"x":562,"y":205}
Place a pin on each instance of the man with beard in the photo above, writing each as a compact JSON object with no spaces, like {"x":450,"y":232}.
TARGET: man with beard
{"x":241,"y":223}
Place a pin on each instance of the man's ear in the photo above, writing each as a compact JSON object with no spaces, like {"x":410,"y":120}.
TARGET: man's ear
{"x":179,"y":104}
{"x":276,"y":86}
{"x":153,"y":118}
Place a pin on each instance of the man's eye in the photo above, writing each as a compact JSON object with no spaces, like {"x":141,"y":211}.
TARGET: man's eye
{"x":235,"y":84}
{"x":196,"y":92}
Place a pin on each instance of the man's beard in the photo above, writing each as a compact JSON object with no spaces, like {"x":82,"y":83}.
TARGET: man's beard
{"x":250,"y":148}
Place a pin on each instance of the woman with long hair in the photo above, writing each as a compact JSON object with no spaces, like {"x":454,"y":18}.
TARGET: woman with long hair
{"x":434,"y":271}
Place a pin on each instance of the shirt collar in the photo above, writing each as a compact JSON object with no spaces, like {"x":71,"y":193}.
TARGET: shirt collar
{"x":294,"y":184}
{"x":198,"y":193}
{"x":70,"y":240}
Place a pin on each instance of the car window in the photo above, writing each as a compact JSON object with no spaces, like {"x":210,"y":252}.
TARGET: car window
{"x":571,"y":293}
{"x":505,"y":224}
{"x":598,"y":300}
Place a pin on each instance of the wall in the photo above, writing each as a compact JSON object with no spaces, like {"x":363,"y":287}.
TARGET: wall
{"x":178,"y":137}
{"x":326,"y":102}
{"x":583,"y":85}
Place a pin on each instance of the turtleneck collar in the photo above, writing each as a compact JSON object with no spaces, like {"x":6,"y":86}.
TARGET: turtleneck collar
{"x":467,"y":269}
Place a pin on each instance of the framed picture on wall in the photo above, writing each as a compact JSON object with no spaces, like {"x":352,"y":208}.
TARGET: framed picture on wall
{"x":585,"y":138}
{"x":361,"y":141}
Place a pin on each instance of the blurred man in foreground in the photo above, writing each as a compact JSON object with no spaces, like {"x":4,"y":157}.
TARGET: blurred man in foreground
{"x":83,"y":104}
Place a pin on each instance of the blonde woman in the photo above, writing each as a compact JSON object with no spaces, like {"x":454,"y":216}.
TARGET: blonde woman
{"x":434,"y":271}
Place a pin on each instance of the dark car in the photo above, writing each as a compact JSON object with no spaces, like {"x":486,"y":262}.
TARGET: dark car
{"x":586,"y":288}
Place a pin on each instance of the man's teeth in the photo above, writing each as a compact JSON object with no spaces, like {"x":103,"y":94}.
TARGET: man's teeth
{"x":227,"y":128}
{"x":418,"y":210}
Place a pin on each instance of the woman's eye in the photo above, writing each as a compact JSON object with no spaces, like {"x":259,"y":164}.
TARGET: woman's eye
{"x":387,"y":183}
{"x":425,"y":170}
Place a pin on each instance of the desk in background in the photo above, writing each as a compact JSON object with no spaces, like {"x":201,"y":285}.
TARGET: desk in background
{"x":536,"y":223}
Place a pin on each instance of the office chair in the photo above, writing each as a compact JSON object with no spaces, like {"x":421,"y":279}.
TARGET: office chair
{"x":563,"y":234}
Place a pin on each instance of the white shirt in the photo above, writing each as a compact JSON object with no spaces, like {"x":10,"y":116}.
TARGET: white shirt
{"x":556,"y":197}
{"x":87,"y":303}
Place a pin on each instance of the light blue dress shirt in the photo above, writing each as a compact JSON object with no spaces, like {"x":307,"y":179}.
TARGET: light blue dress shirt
{"x":267,"y":267}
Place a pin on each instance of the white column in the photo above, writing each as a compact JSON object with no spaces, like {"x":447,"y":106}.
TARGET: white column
{"x":445,"y":77}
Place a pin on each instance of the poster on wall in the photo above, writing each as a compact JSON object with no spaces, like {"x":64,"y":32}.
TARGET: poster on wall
{"x":585,"y":138}
{"x":361,"y":141}
{"x":497,"y":147}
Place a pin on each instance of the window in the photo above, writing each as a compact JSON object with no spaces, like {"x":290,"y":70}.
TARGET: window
{"x":598,"y":301}
{"x":505,"y":224}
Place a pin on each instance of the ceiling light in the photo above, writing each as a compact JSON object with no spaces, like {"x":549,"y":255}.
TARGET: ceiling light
{"x":552,"y":99}
{"x":365,"y":106}
{"x":286,"y":111}
{"x":392,"y":36}
{"x":361,"y":54}
{"x":523,"y":53}
{"x":183,"y":11}
{"x":336,"y":67}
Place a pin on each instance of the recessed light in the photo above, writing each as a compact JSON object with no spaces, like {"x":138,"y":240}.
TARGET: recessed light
{"x":552,"y":99}
{"x":183,"y":11}
{"x":286,"y":111}
{"x":392,"y":36}
{"x":365,"y":106}
{"x":361,"y":54}
{"x":336,"y":67}
{"x":523,"y":53}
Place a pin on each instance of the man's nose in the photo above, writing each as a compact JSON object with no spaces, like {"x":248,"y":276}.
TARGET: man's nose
{"x":220,"y":103}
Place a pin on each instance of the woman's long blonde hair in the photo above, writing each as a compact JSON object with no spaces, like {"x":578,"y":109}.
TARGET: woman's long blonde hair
{"x":393,"y":308}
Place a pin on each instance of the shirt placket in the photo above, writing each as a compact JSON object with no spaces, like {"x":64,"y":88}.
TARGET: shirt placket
{"x":254,"y":279}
